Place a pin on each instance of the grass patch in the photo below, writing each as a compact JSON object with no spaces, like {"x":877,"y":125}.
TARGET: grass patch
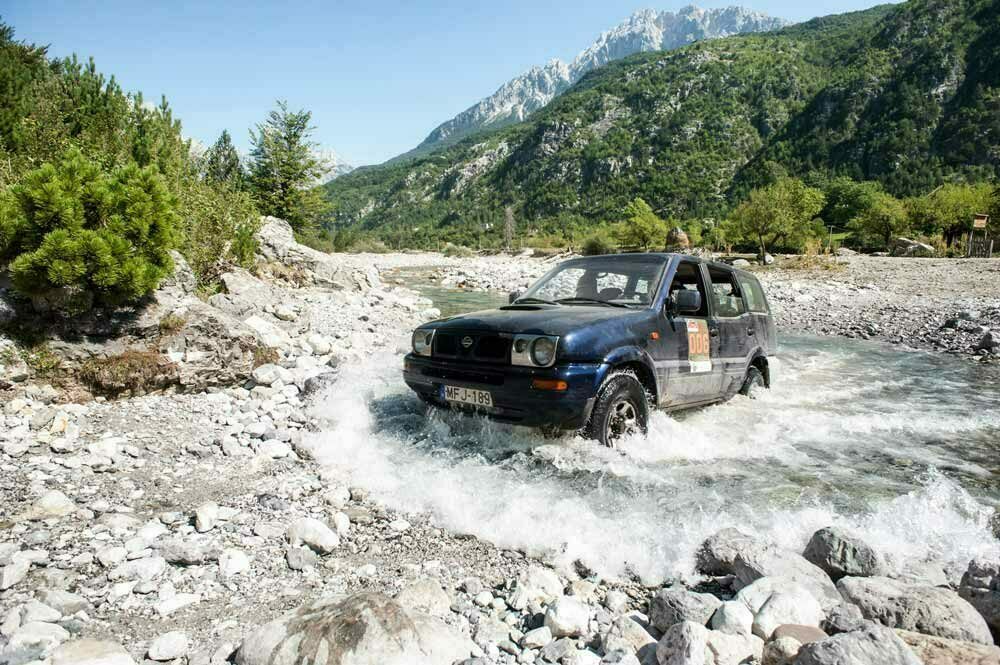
{"x":133,"y":372}
{"x":172,"y":323}
{"x":265,"y":355}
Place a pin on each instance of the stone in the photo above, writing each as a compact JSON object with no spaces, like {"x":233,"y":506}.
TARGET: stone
{"x":270,"y":374}
{"x":51,"y":504}
{"x":314,"y":534}
{"x":793,"y":606}
{"x":301,"y":558}
{"x":732,"y":617}
{"x":233,"y":562}
{"x":689,"y":643}
{"x":910,"y":248}
{"x":717,"y":554}
{"x":940,"y":651}
{"x":567,"y":617}
{"x":187,"y":552}
{"x":676,"y":604}
{"x":870,"y":644}
{"x":839,"y":554}
{"x":109,"y":557}
{"x":918,"y":608}
{"x":38,"y":634}
{"x":176,"y":602}
{"x":37,"y":611}
{"x":13,"y":573}
{"x":267,"y":333}
{"x":799,"y":633}
{"x":980,"y":586}
{"x":143,"y":570}
{"x":537,"y":638}
{"x":205,"y":517}
{"x":425,"y":595}
{"x":842,"y":618}
{"x":91,"y":652}
{"x":535,"y":584}
{"x":627,"y":634}
{"x":767,"y":560}
{"x":581,"y":657}
{"x":616,"y":601}
{"x":491,"y":631}
{"x":781,"y":651}
{"x":65,"y":602}
{"x":169,"y":646}
{"x":285,"y":313}
{"x":363,"y":628}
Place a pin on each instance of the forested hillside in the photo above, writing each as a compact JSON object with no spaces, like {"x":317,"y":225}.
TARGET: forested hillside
{"x":906,"y":95}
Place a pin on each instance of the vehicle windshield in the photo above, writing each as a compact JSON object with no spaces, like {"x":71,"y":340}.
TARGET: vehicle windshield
{"x":624,"y":282}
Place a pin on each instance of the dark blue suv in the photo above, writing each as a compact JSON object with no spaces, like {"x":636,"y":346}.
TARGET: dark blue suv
{"x":597,"y":341}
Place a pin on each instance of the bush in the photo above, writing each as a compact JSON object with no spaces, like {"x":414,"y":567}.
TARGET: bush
{"x":87,"y":235}
{"x":219,"y":227}
{"x":133,"y":372}
{"x":597,"y":244}
{"x":457,"y":251}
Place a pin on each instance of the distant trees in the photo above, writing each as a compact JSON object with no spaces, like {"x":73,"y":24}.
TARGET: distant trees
{"x":882,"y":220}
{"x":948,"y":210}
{"x":222,"y":163}
{"x":641,"y":227}
{"x":284,"y":168}
{"x":783,"y":213}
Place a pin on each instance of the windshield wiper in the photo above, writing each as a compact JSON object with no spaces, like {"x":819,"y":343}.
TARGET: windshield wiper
{"x":543,"y":301}
{"x":596,"y":301}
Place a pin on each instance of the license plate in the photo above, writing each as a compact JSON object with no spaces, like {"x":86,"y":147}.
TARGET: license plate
{"x":468,"y":396}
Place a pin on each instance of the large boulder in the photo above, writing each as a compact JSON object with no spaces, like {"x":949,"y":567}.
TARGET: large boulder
{"x":90,"y":652}
{"x":676,"y":604}
{"x":907,"y":247}
{"x":981,"y":587}
{"x":840,"y":554}
{"x":870,"y":644}
{"x":940,"y":651}
{"x":915,"y":607}
{"x":688,"y":643}
{"x":364,"y":628}
{"x":756,"y":560}
{"x":276,"y":243}
{"x":718,"y":552}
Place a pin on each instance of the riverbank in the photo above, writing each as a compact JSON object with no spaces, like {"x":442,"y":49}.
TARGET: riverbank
{"x":176,"y":524}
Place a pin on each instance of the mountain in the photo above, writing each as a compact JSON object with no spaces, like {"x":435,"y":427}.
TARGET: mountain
{"x":334,"y":165}
{"x":646,"y":30}
{"x":908,"y":95}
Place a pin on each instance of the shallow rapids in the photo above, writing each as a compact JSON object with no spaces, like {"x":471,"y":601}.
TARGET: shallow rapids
{"x":901,"y":448}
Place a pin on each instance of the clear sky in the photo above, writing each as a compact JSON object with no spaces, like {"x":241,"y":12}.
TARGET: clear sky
{"x":377,"y":75}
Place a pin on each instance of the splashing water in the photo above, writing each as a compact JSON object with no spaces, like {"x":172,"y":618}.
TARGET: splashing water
{"x":899,"y":448}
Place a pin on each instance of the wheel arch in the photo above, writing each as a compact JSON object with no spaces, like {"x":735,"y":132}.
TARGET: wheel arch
{"x":761,"y":363}
{"x":637,"y":361}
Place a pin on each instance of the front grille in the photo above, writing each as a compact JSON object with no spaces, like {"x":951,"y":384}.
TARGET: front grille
{"x":484,"y":348}
{"x":468,"y":376}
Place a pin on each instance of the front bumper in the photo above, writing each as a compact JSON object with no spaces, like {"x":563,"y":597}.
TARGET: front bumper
{"x":514,"y":398}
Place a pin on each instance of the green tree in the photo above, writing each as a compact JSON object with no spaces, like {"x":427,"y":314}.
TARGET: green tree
{"x":222,"y":163}
{"x":885,"y":219}
{"x":949,"y":209}
{"x":641,"y":227}
{"x":781,"y":214}
{"x":284,"y":168}
{"x":76,"y":234}
{"x":846,"y":199}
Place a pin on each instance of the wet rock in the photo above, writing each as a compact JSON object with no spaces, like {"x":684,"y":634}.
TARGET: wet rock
{"x":981,"y":588}
{"x":717,"y":554}
{"x":940,"y":651}
{"x":923,"y":609}
{"x":567,"y":617}
{"x":169,"y":646}
{"x":364,"y":628}
{"x":91,"y":652}
{"x":787,"y":607}
{"x":870,"y":644}
{"x":676,"y":604}
{"x":311,"y":532}
{"x":766,"y":560}
{"x":839,"y":554}
{"x":732,"y":617}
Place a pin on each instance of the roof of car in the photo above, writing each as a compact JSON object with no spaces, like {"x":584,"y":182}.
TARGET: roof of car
{"x":662,"y":255}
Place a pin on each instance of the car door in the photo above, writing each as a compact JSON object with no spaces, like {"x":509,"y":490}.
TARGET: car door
{"x":760,"y":313}
{"x":736,"y":331}
{"x":686,"y":355}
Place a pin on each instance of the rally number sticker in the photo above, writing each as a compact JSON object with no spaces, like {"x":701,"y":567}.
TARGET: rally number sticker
{"x":699,"y":353}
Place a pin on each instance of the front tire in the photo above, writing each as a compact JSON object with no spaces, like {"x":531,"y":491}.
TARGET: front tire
{"x":753,"y":383}
{"x":621,"y":410}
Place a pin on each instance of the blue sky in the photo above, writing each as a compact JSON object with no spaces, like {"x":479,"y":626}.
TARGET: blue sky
{"x":378,"y":76}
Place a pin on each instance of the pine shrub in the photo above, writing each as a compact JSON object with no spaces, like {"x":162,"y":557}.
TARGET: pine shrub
{"x":76,"y":235}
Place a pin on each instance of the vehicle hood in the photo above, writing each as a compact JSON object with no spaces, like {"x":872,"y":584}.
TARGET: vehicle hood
{"x":536,"y":319}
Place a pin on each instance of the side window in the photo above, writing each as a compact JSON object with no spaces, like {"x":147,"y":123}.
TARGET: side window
{"x":753,"y":294}
{"x":688,"y":276}
{"x":726,"y":293}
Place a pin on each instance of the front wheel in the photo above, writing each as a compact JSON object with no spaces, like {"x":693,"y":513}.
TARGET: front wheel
{"x":621,"y":410}
{"x":753,"y":383}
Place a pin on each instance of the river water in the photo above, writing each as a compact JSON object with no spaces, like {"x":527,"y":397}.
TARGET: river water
{"x":901,"y":448}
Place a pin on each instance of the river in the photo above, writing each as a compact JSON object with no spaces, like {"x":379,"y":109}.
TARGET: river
{"x":898,"y":447}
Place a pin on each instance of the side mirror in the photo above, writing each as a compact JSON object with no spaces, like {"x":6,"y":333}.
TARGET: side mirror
{"x":687,"y":302}
{"x":514,"y":295}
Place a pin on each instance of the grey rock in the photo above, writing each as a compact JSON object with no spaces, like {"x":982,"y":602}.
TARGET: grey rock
{"x":13,"y":573}
{"x":870,"y":644}
{"x":940,"y":651}
{"x":842,"y":618}
{"x":981,"y":588}
{"x":676,"y":604}
{"x":922,"y":609}
{"x":567,"y":617}
{"x":839,"y":554}
{"x":91,"y":652}
{"x":169,"y":646}
{"x":717,"y":554}
{"x":301,"y":558}
{"x":187,"y":552}
{"x":364,"y":628}
{"x":311,"y":532}
{"x":425,"y":595}
{"x":732,"y":617}
{"x":758,"y":560}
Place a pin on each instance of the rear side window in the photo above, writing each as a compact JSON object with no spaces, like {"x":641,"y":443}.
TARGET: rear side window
{"x":726,"y":294}
{"x":753,"y":294}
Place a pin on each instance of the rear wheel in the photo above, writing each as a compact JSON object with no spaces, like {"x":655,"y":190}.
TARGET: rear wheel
{"x":753,"y":383}
{"x":621,"y":410}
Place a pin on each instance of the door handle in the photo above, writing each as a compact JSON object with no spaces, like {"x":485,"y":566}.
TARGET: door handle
{"x":714,"y":332}
{"x":750,"y":331}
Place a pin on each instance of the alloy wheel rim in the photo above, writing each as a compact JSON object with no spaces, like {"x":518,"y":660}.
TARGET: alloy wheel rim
{"x":622,"y":421}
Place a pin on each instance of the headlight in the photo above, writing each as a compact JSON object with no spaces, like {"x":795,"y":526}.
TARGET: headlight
{"x":422,"y":342}
{"x":543,"y":351}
